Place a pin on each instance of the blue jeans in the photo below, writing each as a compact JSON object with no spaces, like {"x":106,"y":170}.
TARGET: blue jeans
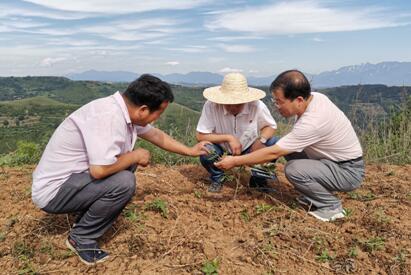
{"x":207,"y":161}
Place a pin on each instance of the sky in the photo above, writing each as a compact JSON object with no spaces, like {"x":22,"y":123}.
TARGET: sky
{"x":258,"y":38}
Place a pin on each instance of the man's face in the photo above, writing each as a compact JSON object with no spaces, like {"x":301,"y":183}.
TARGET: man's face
{"x":234,"y":109}
{"x":285,"y":107}
{"x":143,"y":116}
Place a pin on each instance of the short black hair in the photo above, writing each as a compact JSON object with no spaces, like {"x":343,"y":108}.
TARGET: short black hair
{"x":149,"y":90}
{"x":293,"y":83}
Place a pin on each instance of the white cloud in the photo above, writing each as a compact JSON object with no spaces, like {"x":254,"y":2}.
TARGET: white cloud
{"x":293,"y":17}
{"x":173,"y":63}
{"x":8,"y":10}
{"x":237,"y":48}
{"x":317,"y":39}
{"x":119,"y":6}
{"x":190,"y":49}
{"x":233,"y":38}
{"x":230,"y":70}
{"x":50,"y":61}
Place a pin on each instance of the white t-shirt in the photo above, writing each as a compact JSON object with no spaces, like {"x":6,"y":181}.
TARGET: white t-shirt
{"x":92,"y":135}
{"x":323,"y":132}
{"x":245,"y":126}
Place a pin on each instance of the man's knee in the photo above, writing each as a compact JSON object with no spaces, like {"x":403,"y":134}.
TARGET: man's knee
{"x":294,"y":171}
{"x":125,"y":182}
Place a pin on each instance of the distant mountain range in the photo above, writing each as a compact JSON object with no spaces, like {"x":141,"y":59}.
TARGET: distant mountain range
{"x":387,"y":73}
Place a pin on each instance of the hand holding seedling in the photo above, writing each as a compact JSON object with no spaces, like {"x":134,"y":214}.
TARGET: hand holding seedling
{"x":199,"y":149}
{"x":226,"y":163}
{"x":235,"y":146}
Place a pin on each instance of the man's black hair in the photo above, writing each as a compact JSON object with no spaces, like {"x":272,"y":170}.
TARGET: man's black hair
{"x":293,"y":83}
{"x":149,"y":90}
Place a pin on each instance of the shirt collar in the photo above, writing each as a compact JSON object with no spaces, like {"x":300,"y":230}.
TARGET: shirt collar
{"x":244,"y":111}
{"x":120,"y":101}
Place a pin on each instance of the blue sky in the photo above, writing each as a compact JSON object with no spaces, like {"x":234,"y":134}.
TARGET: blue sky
{"x":261,"y":38}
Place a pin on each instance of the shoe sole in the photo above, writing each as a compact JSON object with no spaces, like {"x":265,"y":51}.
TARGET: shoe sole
{"x":333,"y":218}
{"x":68,"y":244}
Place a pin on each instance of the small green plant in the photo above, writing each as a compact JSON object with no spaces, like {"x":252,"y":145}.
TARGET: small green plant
{"x":381,"y":217}
{"x":324,"y":256}
{"x":361,"y":197}
{"x":262,"y":208}
{"x":374,"y":244}
{"x":46,"y":248}
{"x":353,"y":252}
{"x":22,"y":250}
{"x":158,"y":205}
{"x":244,"y":215}
{"x":401,"y":257}
{"x":2,"y":236}
{"x":198,"y":194}
{"x":211,"y":267}
{"x":347,"y":212}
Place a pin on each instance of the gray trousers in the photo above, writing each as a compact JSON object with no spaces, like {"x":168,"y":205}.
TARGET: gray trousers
{"x":99,"y":202}
{"x":318,"y":179}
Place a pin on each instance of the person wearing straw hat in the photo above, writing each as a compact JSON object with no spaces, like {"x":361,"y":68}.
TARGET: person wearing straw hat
{"x":234,"y":120}
{"x":323,"y":152}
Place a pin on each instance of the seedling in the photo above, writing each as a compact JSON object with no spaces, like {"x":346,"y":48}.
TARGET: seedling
{"x":244,"y":215}
{"x":324,"y":256}
{"x":347,"y":212}
{"x":262,"y":208}
{"x":381,"y":217}
{"x":211,"y":267}
{"x":374,"y":244}
{"x":352,"y":253}
{"x":360,"y":197}
{"x":158,"y":205}
{"x":198,"y":194}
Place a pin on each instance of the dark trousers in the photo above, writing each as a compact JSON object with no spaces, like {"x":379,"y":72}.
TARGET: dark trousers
{"x":99,"y":201}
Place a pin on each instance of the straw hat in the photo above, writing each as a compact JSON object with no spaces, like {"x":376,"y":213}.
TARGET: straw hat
{"x":233,"y":90}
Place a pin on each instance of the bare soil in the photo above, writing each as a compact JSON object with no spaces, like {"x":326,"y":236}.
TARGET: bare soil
{"x":244,"y":231}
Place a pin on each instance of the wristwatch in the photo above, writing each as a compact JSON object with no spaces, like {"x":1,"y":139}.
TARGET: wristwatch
{"x":263,"y":140}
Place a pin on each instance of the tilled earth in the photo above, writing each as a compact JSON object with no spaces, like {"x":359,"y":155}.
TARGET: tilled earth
{"x":173,"y":226}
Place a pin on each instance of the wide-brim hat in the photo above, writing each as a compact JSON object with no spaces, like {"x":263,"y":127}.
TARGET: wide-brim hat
{"x":233,"y":90}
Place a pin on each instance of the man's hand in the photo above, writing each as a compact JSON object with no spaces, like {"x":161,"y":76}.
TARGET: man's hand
{"x":235,"y":145}
{"x":199,"y":149}
{"x":226,"y":163}
{"x":141,"y":157}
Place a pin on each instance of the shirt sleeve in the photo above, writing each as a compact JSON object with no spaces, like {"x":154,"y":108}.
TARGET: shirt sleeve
{"x":141,"y":130}
{"x":301,"y":136}
{"x":206,"y":123}
{"x":103,"y":139}
{"x":264,"y":117}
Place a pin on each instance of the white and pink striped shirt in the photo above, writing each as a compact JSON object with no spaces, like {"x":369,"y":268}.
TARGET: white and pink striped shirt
{"x":95,"y":134}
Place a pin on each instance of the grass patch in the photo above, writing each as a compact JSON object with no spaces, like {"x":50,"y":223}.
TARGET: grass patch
{"x":158,"y":205}
{"x":211,"y":267}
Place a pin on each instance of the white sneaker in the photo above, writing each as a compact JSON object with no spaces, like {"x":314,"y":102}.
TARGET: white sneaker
{"x":327,"y":214}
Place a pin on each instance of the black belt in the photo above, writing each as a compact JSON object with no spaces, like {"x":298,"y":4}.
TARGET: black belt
{"x":350,"y":160}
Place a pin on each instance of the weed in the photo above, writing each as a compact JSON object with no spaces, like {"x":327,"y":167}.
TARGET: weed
{"x":373,"y":244}
{"x":46,"y":248}
{"x":381,"y":217}
{"x":347,"y":212}
{"x":211,"y":267}
{"x":324,"y":256}
{"x":131,"y":214}
{"x":198,"y":194}
{"x":401,"y":257}
{"x":353,"y":252}
{"x":158,"y":205}
{"x":244,"y":215}
{"x":22,"y":250}
{"x":360,"y":197}
{"x":2,"y":236}
{"x":262,"y":208}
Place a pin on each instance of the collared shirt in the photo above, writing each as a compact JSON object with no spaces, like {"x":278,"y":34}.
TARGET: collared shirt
{"x":246,"y":125}
{"x":323,"y":132}
{"x":95,"y":134}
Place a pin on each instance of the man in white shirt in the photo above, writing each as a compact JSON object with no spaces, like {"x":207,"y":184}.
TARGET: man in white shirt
{"x":88,"y":165}
{"x":236,"y":121}
{"x":324,"y":153}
